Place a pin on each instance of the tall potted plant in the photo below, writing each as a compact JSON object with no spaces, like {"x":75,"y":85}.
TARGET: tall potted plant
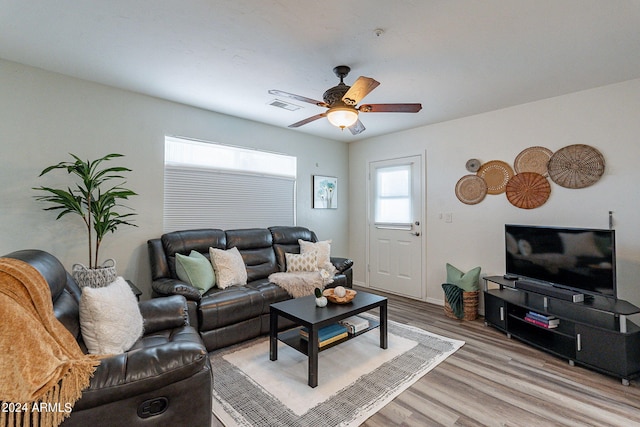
{"x":96,"y":200}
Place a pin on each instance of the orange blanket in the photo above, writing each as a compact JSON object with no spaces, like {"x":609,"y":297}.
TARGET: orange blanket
{"x":42,"y":369}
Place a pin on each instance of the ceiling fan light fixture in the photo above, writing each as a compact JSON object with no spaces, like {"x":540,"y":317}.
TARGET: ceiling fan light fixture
{"x":342,"y":117}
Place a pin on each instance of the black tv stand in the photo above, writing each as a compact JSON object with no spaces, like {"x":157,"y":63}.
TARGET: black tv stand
{"x":595,"y":333}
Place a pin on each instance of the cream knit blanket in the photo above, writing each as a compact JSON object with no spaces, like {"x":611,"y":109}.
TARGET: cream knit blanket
{"x":302,"y":283}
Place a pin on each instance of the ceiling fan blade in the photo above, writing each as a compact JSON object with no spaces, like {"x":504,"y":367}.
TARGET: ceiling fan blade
{"x":357,"y":128}
{"x":390,"y":108}
{"x":298,"y":97}
{"x":307,"y":120}
{"x":361,"y":88}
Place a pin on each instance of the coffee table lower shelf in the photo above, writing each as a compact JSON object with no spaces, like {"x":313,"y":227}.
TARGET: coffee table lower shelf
{"x":304,"y":313}
{"x":293,"y":339}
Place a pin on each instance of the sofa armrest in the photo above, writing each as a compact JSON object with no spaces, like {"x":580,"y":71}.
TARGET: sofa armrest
{"x":167,"y":287}
{"x":341,"y":264}
{"x":155,"y":361}
{"x":164,"y":313}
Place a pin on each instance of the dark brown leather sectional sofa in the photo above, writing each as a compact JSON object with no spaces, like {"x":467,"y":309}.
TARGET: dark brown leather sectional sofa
{"x":238,"y":313}
{"x":164,"y":380}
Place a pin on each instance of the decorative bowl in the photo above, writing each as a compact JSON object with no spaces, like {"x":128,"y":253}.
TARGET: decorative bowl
{"x":339,"y":300}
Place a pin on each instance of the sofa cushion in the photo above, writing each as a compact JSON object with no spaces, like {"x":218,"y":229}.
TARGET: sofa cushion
{"x":110,"y":319}
{"x":221,"y":307}
{"x":285,"y":235}
{"x":302,"y":262}
{"x":256,"y":247}
{"x":196,"y":270}
{"x":183,"y":242}
{"x":270,"y":293}
{"x":156,"y":360}
{"x":285,"y":240}
{"x":229,"y":267}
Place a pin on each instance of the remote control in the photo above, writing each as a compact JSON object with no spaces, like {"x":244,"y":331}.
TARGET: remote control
{"x":510,"y":277}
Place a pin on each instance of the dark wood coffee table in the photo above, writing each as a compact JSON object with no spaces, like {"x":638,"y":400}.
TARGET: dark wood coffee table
{"x":303,"y":311}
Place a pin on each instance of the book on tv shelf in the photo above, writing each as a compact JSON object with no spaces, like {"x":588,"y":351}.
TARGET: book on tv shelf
{"x":540,"y":323}
{"x":542,"y":317}
{"x":550,"y":320}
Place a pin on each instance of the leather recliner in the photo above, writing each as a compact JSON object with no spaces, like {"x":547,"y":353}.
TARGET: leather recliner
{"x":163,"y":380}
{"x":237,"y":313}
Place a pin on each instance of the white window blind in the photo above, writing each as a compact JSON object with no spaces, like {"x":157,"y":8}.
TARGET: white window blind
{"x":215,"y":186}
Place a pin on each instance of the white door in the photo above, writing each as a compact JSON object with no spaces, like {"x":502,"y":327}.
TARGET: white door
{"x":395,"y":226}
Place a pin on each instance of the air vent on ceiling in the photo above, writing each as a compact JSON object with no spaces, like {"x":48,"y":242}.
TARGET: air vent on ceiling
{"x":285,"y":105}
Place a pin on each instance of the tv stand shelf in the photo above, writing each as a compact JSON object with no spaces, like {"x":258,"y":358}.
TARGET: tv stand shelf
{"x":595,"y":333}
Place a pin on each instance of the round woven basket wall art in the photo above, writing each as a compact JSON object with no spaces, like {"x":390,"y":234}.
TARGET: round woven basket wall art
{"x":576,"y":166}
{"x":496,"y":174}
{"x":528,"y":190}
{"x":473,"y":165}
{"x":533,"y":159}
{"x":471,"y":189}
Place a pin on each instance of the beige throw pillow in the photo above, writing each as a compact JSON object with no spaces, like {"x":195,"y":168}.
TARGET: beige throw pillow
{"x":302,"y":262}
{"x":110,"y":318}
{"x":229,"y":267}
{"x":322,"y":249}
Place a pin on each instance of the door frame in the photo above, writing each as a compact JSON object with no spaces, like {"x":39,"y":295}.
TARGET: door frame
{"x":423,"y":215}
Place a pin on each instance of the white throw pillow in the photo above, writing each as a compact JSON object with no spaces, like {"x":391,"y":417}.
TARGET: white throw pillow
{"x":302,"y":262}
{"x":229,"y":267}
{"x":322,"y":249}
{"x":110,"y":318}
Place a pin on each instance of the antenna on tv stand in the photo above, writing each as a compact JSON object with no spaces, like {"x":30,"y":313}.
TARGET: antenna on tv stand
{"x":610,"y":220}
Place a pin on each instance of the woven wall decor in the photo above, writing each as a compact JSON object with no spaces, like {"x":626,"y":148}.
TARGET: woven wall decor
{"x":528,"y":190}
{"x":496,"y":174}
{"x":473,"y":165}
{"x":576,"y":166}
{"x":533,"y":159}
{"x":471,"y":189}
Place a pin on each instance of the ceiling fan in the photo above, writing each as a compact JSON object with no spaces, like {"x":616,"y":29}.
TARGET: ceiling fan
{"x":341,"y":101}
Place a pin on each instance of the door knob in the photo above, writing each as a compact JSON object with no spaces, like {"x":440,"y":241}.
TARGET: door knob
{"x":417,"y":233}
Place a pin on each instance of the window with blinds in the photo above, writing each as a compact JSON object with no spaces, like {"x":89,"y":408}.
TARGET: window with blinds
{"x":209,"y":185}
{"x":393,"y":204}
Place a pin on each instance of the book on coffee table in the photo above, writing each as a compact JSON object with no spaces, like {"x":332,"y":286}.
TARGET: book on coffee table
{"x":355,"y":324}
{"x":328,"y":334}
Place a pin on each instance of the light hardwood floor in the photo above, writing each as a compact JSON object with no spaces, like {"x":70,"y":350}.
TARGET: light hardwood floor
{"x":496,"y":381}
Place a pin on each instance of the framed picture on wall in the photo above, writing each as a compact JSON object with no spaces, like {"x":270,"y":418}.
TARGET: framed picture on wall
{"x":325,"y":192}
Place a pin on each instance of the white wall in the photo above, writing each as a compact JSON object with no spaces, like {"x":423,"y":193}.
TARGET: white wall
{"x":606,"y":118}
{"x":45,"y":116}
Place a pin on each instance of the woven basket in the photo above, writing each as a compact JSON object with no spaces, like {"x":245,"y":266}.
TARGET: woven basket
{"x":95,"y":277}
{"x":469,"y":305}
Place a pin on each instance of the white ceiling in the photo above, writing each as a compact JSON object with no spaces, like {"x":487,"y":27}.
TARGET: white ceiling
{"x":456,"y":57}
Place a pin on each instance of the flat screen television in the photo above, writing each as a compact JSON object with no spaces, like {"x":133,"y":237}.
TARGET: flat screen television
{"x":580,"y":259}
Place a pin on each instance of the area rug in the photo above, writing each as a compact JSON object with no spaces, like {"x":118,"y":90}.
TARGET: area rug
{"x":355,"y":379}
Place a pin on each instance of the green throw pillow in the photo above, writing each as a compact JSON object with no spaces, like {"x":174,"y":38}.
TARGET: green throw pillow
{"x":468,"y":281}
{"x":196,"y":270}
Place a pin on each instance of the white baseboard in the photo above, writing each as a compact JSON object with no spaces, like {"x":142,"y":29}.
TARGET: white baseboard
{"x":435,"y":301}
{"x":361,"y":284}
